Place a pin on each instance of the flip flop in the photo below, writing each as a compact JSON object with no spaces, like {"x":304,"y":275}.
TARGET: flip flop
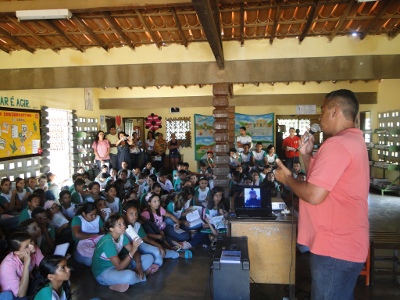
{"x":119,"y":287}
{"x":154,"y":268}
{"x":188,"y":253}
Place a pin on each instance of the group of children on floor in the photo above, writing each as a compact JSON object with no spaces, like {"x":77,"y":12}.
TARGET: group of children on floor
{"x":122,"y":224}
{"x":123,"y":229}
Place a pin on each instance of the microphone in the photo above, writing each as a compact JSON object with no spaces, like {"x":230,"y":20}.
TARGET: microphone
{"x":313,"y":129}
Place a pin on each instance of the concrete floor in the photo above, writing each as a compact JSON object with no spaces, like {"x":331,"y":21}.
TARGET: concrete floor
{"x":191,"y":279}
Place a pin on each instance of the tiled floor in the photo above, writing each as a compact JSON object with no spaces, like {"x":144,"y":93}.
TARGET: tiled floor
{"x":191,"y":279}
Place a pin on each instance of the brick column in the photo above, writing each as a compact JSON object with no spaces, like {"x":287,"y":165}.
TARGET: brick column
{"x":221,"y":135}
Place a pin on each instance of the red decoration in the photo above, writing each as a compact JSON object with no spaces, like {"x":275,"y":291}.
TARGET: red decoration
{"x":40,"y":151}
{"x":153,"y":122}
{"x":118,"y":121}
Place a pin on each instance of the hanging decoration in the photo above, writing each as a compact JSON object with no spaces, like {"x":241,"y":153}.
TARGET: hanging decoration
{"x":153,"y":122}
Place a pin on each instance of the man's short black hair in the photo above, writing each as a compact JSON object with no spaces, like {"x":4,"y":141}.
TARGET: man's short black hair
{"x":244,"y":128}
{"x":347,"y":102}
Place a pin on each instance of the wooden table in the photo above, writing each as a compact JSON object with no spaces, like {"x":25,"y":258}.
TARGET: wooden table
{"x":272,"y":248}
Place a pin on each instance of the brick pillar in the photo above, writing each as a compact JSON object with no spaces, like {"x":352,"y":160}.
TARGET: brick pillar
{"x":221,"y":135}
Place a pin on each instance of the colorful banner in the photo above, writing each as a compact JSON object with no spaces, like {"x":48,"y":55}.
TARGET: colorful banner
{"x":203,"y":136}
{"x":259,"y":127}
{"x":19,"y":133}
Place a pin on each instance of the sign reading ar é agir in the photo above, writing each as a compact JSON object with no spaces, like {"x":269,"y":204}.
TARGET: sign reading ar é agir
{"x":14,"y":102}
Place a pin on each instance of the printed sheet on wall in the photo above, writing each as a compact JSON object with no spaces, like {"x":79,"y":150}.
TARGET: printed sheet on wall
{"x":20,"y":133}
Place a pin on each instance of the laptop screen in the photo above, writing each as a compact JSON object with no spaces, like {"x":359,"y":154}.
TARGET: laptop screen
{"x":252,"y":200}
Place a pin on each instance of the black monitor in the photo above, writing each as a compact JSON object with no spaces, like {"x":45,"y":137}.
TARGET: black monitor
{"x":252,"y":201}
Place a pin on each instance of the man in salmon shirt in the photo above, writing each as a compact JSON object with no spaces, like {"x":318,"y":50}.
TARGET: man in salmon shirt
{"x":333,"y":214}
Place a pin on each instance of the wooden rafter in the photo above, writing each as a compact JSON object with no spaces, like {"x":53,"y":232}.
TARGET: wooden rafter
{"x":380,"y":13}
{"x":394,"y":32}
{"x":118,"y":29}
{"x":54,"y":25}
{"x":342,"y":20}
{"x":207,"y":10}
{"x":312,"y":14}
{"x":90,"y":32}
{"x":148,"y":29}
{"x":4,"y":49}
{"x":179,"y":26}
{"x":276,"y":19}
{"x":34,"y":35}
{"x":241,"y":24}
{"x":15,"y":40}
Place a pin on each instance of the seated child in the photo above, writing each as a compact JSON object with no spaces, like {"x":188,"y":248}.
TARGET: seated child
{"x":67,"y":207}
{"x":9,"y":200}
{"x":102,"y":210}
{"x":87,"y":224}
{"x":149,"y":246}
{"x":16,"y":268}
{"x":33,"y":202}
{"x":201,"y":192}
{"x":47,"y":241}
{"x":234,"y":159}
{"x":94,"y":189}
{"x":77,"y":196}
{"x":55,"y":273}
{"x":108,"y":268}
{"x":112,"y":201}
{"x":162,"y":231}
{"x":181,"y":177}
{"x":31,"y":184}
{"x":150,"y":167}
{"x":21,"y":193}
{"x":165,"y":183}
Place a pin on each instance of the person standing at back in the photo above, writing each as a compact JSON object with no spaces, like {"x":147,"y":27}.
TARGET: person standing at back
{"x":290,"y":146}
{"x":112,"y":137}
{"x":243,"y":139}
{"x":333,"y":214}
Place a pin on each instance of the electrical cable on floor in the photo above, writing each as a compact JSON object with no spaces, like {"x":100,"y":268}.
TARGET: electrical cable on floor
{"x":259,"y":288}
{"x":209,"y":285}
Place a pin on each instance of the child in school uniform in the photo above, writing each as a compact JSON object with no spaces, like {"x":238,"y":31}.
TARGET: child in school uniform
{"x":31,"y":184}
{"x":8,"y":199}
{"x":94,"y":189}
{"x":202,"y":192}
{"x":77,"y":196}
{"x":67,"y":207}
{"x":33,"y":201}
{"x":112,"y":201}
{"x":149,"y":166}
{"x":21,"y":192}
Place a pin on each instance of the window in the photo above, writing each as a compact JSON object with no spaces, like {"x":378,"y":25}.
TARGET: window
{"x":181,"y":128}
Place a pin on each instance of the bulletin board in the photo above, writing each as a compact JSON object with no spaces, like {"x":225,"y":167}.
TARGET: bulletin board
{"x":19,"y":133}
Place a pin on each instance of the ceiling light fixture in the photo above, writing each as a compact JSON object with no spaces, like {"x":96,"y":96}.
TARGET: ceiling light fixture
{"x":43,"y":14}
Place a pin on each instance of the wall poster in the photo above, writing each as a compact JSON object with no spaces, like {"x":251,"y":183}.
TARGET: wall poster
{"x":203,"y":132}
{"x":259,"y":127}
{"x":19,"y":133}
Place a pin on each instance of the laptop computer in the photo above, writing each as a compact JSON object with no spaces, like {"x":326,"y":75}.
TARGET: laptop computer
{"x":253,"y":202}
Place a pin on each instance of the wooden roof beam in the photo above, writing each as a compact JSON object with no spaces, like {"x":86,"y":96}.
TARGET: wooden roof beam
{"x":15,"y":40}
{"x":4,"y":49}
{"x":179,"y":26}
{"x":34,"y":35}
{"x":148,"y":29}
{"x":313,"y":13}
{"x":54,"y":25}
{"x":118,"y":29}
{"x":276,"y":19}
{"x":90,"y":32}
{"x":394,"y":32}
{"x":342,"y":20}
{"x":208,"y":14}
{"x":372,"y":23}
